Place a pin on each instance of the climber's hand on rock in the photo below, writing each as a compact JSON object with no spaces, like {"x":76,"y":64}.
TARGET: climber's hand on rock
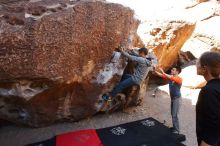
{"x":131,"y":49}
{"x":122,"y":49}
{"x":118,"y":49}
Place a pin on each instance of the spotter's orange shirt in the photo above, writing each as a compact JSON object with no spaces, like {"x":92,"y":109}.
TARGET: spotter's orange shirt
{"x":176,"y":79}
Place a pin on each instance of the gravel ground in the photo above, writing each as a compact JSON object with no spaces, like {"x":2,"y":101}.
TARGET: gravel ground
{"x":157,"y":107}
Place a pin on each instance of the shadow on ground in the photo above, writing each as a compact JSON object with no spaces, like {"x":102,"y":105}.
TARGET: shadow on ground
{"x":157,"y":107}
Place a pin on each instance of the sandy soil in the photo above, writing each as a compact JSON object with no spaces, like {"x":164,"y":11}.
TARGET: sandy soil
{"x":157,"y":107}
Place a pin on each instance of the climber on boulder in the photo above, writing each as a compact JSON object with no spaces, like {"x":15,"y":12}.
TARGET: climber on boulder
{"x":140,"y":73}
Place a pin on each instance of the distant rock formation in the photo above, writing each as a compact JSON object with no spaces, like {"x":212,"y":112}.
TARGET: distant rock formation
{"x":166,"y":38}
{"x":206,"y":36}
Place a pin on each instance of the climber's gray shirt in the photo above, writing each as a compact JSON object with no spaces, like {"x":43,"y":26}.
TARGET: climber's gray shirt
{"x":142,"y":68}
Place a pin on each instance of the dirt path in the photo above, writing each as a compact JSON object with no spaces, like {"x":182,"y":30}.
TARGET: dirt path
{"x":158,"y":108}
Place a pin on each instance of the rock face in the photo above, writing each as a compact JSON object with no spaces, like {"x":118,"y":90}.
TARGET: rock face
{"x":166,"y":38}
{"x":201,"y":1}
{"x":55,"y":57}
{"x":185,"y":59}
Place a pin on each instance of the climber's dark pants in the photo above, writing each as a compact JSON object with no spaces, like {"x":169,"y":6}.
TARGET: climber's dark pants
{"x":126,"y":82}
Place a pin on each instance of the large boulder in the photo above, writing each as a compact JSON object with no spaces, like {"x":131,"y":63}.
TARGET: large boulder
{"x":55,"y":57}
{"x":166,"y":38}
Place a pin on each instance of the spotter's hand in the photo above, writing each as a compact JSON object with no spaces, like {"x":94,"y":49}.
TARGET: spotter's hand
{"x":161,"y":70}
